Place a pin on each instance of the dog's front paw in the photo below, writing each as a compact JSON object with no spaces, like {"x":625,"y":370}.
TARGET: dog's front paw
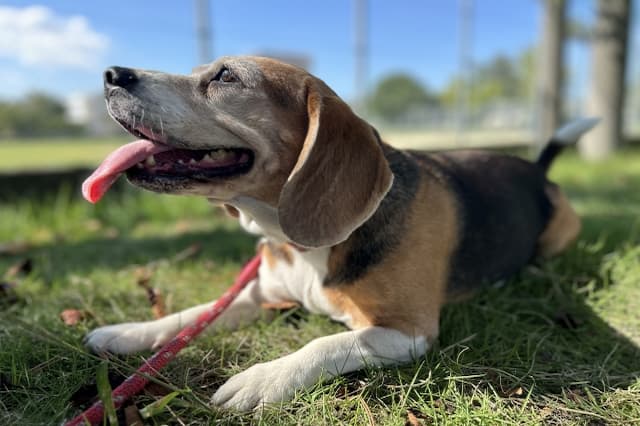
{"x":265,"y":383}
{"x":126,"y":338}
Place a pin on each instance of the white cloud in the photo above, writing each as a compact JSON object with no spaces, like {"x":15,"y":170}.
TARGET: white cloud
{"x":35,"y":36}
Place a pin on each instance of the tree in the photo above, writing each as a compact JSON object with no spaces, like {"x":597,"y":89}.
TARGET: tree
{"x":396,"y":95}
{"x":608,"y":63}
{"x":37,"y":115}
{"x":501,"y":77}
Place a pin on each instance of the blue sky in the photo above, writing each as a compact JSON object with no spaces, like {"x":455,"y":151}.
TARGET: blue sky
{"x":420,"y":37}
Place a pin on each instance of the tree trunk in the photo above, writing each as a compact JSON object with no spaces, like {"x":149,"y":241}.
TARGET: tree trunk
{"x":608,"y":64}
{"x":551,"y":59}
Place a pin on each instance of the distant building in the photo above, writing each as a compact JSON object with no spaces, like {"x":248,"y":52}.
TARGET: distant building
{"x":90,"y":111}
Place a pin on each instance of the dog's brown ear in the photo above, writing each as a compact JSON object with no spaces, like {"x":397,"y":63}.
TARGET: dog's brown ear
{"x":340,"y":177}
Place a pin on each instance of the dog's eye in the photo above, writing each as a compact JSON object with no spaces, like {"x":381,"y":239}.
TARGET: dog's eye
{"x":224,"y":76}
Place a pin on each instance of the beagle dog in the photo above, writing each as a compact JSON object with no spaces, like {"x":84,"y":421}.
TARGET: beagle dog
{"x":372,"y":236}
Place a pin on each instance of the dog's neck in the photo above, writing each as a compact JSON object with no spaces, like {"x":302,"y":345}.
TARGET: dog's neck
{"x":259,"y":218}
{"x":367,"y":245}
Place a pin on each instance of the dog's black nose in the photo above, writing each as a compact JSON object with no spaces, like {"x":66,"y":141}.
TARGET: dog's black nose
{"x":120,"y":77}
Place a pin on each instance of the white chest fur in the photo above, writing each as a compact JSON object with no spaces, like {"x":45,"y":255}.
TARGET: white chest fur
{"x":299,"y":280}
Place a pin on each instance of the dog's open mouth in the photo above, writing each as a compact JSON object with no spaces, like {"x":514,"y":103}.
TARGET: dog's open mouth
{"x":151,"y":165}
{"x":205,"y":163}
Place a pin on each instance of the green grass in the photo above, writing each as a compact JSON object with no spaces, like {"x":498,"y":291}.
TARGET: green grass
{"x":557,"y":345}
{"x":37,"y":154}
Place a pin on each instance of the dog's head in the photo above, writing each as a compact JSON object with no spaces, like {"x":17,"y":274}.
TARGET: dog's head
{"x":251,"y":127}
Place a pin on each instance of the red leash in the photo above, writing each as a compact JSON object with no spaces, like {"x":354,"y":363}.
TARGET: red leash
{"x":138,"y":380}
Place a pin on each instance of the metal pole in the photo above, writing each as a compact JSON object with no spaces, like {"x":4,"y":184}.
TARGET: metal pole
{"x":465,"y":48}
{"x":361,"y":49}
{"x":203,"y":31}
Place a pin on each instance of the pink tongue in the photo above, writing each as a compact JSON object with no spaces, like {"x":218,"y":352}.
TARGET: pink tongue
{"x":115,"y":164}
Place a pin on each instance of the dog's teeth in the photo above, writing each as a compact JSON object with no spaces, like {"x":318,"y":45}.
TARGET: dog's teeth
{"x":218,"y":154}
{"x":150,"y":161}
{"x":207,"y":158}
{"x":181,"y":161}
{"x":192,"y":161}
{"x":140,"y":166}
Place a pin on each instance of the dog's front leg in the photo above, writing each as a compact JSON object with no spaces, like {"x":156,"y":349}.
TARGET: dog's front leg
{"x":133,"y":337}
{"x":322,"y":358}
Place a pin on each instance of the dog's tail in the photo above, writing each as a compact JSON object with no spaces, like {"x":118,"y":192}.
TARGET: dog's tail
{"x":565,"y":136}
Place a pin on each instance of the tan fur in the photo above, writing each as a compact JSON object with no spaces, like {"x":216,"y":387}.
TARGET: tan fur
{"x":284,"y":85}
{"x":322,"y":148}
{"x":339,"y":178}
{"x":563,"y":228}
{"x":272,"y":253}
{"x":407,"y":289}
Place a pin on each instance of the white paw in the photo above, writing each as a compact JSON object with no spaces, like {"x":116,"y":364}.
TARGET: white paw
{"x":127,"y":338}
{"x":265,"y":383}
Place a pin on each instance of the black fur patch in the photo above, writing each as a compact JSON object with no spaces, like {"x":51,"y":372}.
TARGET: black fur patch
{"x":369,"y":244}
{"x":503,"y":209}
{"x":548,"y":154}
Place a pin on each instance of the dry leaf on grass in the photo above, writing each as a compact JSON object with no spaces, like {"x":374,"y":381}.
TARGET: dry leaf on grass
{"x":413,"y":420}
{"x":444,"y":405}
{"x":575,"y":395}
{"x":185,"y":254}
{"x":157,"y":389}
{"x":158,"y":308}
{"x":132,"y":416}
{"x":545,"y":411}
{"x":143,"y":278}
{"x":72,"y":317}
{"x":516,"y":392}
{"x":23,"y":267}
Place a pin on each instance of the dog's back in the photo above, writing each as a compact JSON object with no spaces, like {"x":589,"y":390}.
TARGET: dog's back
{"x":502,"y":210}
{"x":507,"y":209}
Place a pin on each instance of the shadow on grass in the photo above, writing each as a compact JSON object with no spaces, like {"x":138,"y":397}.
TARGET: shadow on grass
{"x":610,"y":229}
{"x":538,"y":335}
{"x":535,"y":341}
{"x":536,"y":338}
{"x":39,"y":184}
{"x":58,"y":260}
